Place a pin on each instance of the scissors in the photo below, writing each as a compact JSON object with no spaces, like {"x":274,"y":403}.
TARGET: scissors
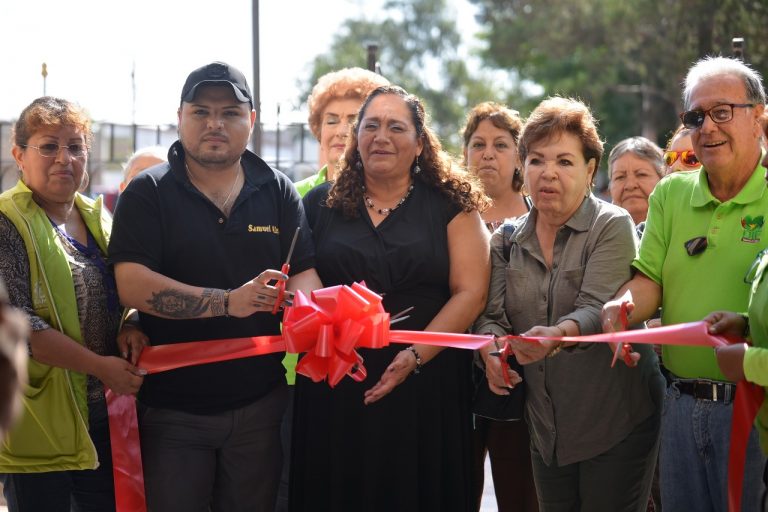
{"x":625,"y":349}
{"x":503,"y":354}
{"x":284,"y":269}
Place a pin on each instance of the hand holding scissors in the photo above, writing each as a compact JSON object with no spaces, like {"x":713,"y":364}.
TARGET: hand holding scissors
{"x":624,"y":349}
{"x":510,"y":378}
{"x":280,"y":285}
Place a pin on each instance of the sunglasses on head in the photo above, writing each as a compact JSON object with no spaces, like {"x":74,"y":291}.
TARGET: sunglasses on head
{"x":687,"y":158}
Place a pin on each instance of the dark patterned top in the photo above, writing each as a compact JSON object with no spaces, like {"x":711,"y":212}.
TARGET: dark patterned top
{"x":98,"y":324}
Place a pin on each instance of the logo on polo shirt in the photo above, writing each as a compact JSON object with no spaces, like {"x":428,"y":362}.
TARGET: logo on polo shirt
{"x":753,"y":227}
{"x":263,"y":229}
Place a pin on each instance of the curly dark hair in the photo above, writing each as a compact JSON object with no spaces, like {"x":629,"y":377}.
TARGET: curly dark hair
{"x":437,"y":168}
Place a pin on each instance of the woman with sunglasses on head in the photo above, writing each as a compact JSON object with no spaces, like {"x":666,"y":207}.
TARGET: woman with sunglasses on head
{"x":679,"y":155}
{"x":53,"y":245}
{"x":635,"y":166}
{"x":594,"y":429}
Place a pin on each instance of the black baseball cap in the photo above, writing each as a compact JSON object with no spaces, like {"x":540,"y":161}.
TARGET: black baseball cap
{"x":217,"y":73}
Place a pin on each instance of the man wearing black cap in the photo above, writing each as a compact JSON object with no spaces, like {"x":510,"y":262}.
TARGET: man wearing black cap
{"x":186,"y":236}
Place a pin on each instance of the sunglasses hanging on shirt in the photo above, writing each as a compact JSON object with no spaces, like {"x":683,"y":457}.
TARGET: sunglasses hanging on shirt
{"x":696,"y":245}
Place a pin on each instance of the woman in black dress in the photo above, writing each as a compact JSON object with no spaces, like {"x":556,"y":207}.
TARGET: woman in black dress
{"x":401,"y":219}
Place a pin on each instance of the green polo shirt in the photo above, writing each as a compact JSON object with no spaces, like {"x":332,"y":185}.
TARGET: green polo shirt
{"x":756,"y":357}
{"x":307,"y":184}
{"x":302,"y":187}
{"x":681,"y":208}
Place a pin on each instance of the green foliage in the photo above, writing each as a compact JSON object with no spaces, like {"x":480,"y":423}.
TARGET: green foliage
{"x":626,"y":59}
{"x":417,"y":42}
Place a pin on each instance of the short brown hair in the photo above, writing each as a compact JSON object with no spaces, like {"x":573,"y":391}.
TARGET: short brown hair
{"x":555,"y":116}
{"x":49,"y":111}
{"x":347,"y":83}
{"x":501,"y":117}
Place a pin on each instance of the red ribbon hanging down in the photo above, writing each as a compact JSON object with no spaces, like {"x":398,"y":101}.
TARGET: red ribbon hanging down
{"x":749,"y":397}
{"x":127,"y":470}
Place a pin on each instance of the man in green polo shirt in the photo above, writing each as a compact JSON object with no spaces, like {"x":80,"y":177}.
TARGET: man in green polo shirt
{"x":703,"y":231}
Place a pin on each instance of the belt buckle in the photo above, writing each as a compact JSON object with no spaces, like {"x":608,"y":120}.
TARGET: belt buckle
{"x":714,"y":392}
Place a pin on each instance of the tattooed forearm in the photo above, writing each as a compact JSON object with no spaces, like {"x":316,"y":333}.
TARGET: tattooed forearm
{"x":175,"y":304}
{"x":217,"y":303}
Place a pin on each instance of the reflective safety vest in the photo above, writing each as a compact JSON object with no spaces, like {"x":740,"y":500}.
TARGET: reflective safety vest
{"x":51,"y":433}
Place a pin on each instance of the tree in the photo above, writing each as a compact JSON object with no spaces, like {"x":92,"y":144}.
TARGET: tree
{"x":626,"y":59}
{"x":418,"y":42}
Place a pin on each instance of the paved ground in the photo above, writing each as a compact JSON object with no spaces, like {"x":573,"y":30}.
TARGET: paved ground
{"x":489,"y":497}
{"x":488,"y":504}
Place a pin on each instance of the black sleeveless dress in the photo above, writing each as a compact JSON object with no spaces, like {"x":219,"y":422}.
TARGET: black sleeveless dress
{"x":410,"y":451}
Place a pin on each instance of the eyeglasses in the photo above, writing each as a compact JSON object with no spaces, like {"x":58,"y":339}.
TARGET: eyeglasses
{"x":51,"y":150}
{"x":719,"y":114}
{"x":687,"y":158}
{"x":696,"y":245}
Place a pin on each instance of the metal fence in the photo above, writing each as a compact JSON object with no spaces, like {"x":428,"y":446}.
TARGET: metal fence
{"x":290,"y":148}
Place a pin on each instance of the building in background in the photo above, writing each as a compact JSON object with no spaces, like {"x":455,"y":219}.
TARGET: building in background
{"x":291,"y":148}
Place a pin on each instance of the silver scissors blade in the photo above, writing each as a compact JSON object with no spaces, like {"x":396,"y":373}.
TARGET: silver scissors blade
{"x":293,"y":245}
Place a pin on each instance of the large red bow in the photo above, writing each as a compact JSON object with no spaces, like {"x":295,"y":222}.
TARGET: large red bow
{"x":329,"y":328}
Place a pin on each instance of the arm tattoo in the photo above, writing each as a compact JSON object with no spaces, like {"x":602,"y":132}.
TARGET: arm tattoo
{"x":175,"y":304}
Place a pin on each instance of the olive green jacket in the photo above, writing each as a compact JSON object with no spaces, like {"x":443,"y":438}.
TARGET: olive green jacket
{"x":52,"y":432}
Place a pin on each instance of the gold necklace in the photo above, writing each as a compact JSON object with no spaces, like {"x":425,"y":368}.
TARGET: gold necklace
{"x":223,"y":205}
{"x":386,"y":211}
{"x":231,"y":191}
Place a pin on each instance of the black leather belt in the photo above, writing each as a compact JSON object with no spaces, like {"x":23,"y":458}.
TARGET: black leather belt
{"x":707,"y":390}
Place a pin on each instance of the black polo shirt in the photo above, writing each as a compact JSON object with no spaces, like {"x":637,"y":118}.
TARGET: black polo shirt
{"x":164,"y":223}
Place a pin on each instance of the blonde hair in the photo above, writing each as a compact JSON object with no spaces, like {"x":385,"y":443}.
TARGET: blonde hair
{"x":347,"y":83}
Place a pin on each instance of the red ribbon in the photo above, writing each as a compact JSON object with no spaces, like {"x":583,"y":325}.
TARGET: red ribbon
{"x":329,"y":328}
{"x":127,"y":471}
{"x":694,"y":334}
{"x":340,"y":319}
{"x":748,"y":399}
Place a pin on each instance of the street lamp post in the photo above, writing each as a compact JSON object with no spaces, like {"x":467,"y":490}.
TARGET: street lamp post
{"x":256,"y":135}
{"x":45,"y":77}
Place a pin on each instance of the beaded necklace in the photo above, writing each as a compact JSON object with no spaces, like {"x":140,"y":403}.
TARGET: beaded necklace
{"x":386,"y":211}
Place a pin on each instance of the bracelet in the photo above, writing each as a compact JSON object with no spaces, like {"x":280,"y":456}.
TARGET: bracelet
{"x":556,"y":350}
{"x":745,"y":333}
{"x":226,"y":302}
{"x":418,"y":359}
{"x":563,"y":333}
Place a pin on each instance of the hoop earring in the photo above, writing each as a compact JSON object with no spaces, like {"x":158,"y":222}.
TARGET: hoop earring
{"x":524,"y":190}
{"x":416,"y":168}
